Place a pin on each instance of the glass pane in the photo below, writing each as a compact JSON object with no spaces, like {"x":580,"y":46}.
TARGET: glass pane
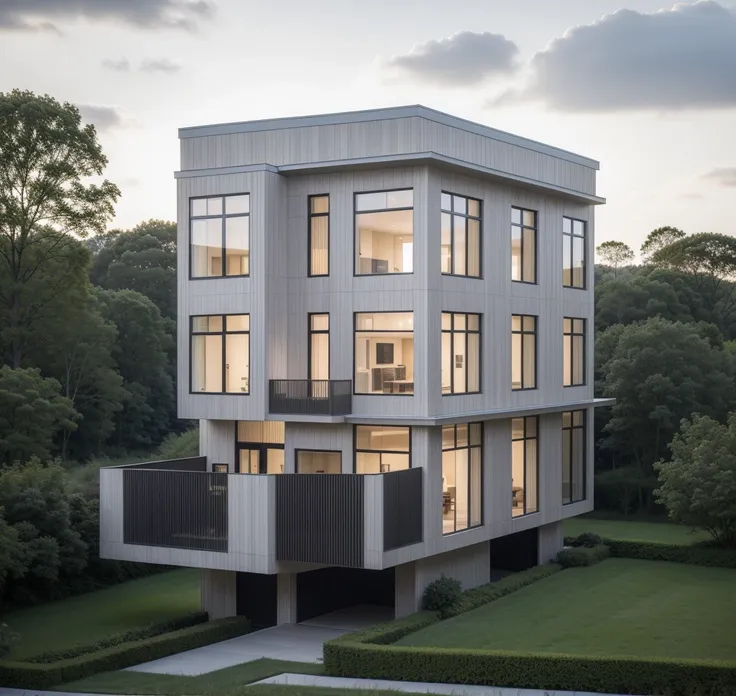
{"x":578,"y":417}
{"x":237,"y":244}
{"x":566,"y":260}
{"x":530,"y":423}
{"x":274,"y":461}
{"x":516,"y":322}
{"x":474,"y":248}
{"x":517,"y":477}
{"x":566,"y":225}
{"x":578,"y":365}
{"x":473,"y":322}
{"x":238,"y":322}
{"x":516,"y":216}
{"x":199,"y":206}
{"x":446,"y":202}
{"x":476,"y":487}
{"x":473,"y":207}
{"x":236,"y":205}
{"x":529,"y":218}
{"x":566,"y":466}
{"x":516,"y":381}
{"x":237,"y":360}
{"x":370,"y":201}
{"x":384,"y":438}
{"x":566,"y":362}
{"x":385,"y":242}
{"x":400,"y":199}
{"x":318,"y":462}
{"x":567,"y":325}
{"x":462,"y":434}
{"x":475,"y":431}
{"x":207,"y":363}
{"x":566,"y":420}
{"x":214,"y":206}
{"x":385,"y":321}
{"x":462,"y":516}
{"x":319,"y":204}
{"x":530,"y":490}
{"x":446,"y":321}
{"x":446,"y":363}
{"x":516,"y":253}
{"x":449,"y":488}
{"x":517,"y":428}
{"x":254,"y":461}
{"x":446,"y":244}
{"x":578,"y":464}
{"x":200,"y":324}
{"x":320,"y":356}
{"x":459,"y":362}
{"x":319,"y":240}
{"x":320,"y":322}
{"x":473,"y":362}
{"x":459,"y":204}
{"x":578,"y":255}
{"x":459,"y":322}
{"x":578,"y":325}
{"x":529,"y":271}
{"x":448,"y":437}
{"x":459,"y":267}
{"x":530,"y":323}
{"x":530,"y":347}
{"x":578,"y":228}
{"x":206,"y":248}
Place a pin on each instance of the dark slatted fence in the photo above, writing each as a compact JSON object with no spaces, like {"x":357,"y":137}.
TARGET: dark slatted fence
{"x":402,"y":508}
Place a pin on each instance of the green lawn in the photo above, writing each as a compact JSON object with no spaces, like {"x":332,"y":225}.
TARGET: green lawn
{"x":618,"y":607}
{"x":222,"y":681}
{"x":83,"y":619}
{"x":634,"y":531}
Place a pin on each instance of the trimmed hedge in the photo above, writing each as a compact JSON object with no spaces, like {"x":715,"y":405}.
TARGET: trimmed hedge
{"x":695,"y":554}
{"x":583,"y":556}
{"x":192,"y":619}
{"x":43,"y":676}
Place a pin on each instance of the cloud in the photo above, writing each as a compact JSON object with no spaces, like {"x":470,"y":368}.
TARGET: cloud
{"x":679,"y":58}
{"x":725,"y":176}
{"x":462,"y":59}
{"x":692,"y":196}
{"x":122,"y":65}
{"x":163,"y":65}
{"x":103,"y":118}
{"x":148,"y":14}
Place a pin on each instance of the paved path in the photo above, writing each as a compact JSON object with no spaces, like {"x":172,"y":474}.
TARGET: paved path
{"x":413,"y":687}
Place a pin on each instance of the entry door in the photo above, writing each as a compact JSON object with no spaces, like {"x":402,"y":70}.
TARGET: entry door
{"x":260,"y":459}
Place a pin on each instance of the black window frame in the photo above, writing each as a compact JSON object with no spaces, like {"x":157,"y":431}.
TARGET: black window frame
{"x":467,"y":447}
{"x":298,"y":450}
{"x":570,"y":336}
{"x":452,"y":331}
{"x":523,"y":227}
{"x":311,"y":217}
{"x":223,"y":333}
{"x":467,"y":216}
{"x":568,"y":431}
{"x":356,"y":243}
{"x":526,"y":332}
{"x":525,"y":438}
{"x":311,"y":332}
{"x":224,"y":216}
{"x":372,"y":451}
{"x":573,"y":236}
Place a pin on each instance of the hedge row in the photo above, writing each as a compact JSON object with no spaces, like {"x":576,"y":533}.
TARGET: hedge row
{"x":43,"y":676}
{"x":530,"y":671}
{"x":582,"y":556}
{"x":192,"y":619}
{"x":695,"y":554}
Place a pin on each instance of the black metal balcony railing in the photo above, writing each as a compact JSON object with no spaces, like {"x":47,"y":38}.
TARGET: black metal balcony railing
{"x":311,"y":397}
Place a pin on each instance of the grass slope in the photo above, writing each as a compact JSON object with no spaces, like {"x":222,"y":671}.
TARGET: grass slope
{"x":634,"y":531}
{"x":618,"y":607}
{"x":83,"y":619}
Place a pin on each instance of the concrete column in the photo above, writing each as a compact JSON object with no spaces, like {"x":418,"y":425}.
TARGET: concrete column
{"x":550,"y":541}
{"x":405,"y":599}
{"x":218,"y":593}
{"x":286,"y":598}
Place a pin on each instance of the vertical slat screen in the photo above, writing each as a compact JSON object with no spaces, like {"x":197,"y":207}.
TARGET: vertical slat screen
{"x":402,"y":508}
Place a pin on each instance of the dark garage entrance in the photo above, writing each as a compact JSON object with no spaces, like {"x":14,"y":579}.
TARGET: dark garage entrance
{"x":330,"y":589}
{"x":255,"y":597}
{"x":515,"y":552}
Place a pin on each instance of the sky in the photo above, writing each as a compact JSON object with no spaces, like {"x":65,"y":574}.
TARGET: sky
{"x":646,"y":87}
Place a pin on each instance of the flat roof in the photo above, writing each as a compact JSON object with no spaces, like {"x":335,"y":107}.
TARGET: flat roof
{"x":395,"y":112}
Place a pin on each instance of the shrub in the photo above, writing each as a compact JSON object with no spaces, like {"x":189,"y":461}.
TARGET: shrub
{"x":192,"y":619}
{"x":695,"y":554}
{"x":582,"y":556}
{"x":441,"y":594}
{"x":588,"y":539}
{"x":43,"y":676}
{"x":7,"y":638}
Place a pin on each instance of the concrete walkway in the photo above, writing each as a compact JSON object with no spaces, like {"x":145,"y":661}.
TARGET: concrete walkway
{"x":413,"y":687}
{"x":295,"y":642}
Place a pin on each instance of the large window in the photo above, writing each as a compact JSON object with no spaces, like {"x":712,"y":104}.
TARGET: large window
{"x":319,"y":346}
{"x":384,"y":353}
{"x":318,"y":462}
{"x":524,"y":465}
{"x":220,"y":236}
{"x":220,"y":354}
{"x":573,"y":253}
{"x":461,"y":242}
{"x":462,"y":481}
{"x":381,"y":448}
{"x":573,"y":456}
{"x":384,"y":232}
{"x":573,"y":366}
{"x":259,"y":447}
{"x":523,"y":245}
{"x":523,"y":351}
{"x":460,"y":353}
{"x":319,"y":236}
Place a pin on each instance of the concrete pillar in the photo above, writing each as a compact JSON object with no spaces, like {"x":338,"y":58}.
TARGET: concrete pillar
{"x":218,"y":594}
{"x":286,"y":598}
{"x":550,"y":541}
{"x":405,"y":600}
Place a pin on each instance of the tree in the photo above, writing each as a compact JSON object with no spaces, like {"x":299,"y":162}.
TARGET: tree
{"x":659,"y":372}
{"x":32,"y":414}
{"x":698,"y":485}
{"x":660,"y":238}
{"x":142,"y":259}
{"x":46,"y":160}
{"x":615,"y":254}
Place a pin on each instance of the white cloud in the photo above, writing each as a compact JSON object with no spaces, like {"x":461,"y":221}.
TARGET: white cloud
{"x":102,"y":117}
{"x":122,"y":65}
{"x":725,"y":176}
{"x":163,"y":65}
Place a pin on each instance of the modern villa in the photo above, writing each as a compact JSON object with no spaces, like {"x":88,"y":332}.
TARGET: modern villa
{"x":385,"y":331}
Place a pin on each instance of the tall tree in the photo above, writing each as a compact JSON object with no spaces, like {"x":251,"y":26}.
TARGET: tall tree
{"x":141,"y":259}
{"x":660,"y":238}
{"x":615,"y":254}
{"x":46,"y":160}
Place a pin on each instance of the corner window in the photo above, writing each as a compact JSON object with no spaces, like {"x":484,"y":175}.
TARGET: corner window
{"x":573,"y":253}
{"x":524,"y":465}
{"x":220,"y":236}
{"x":318,"y":462}
{"x":573,"y":456}
{"x":381,"y":449}
{"x":461,"y":242}
{"x":319,"y":236}
{"x":384,"y":353}
{"x":523,"y":245}
{"x":220,"y":354}
{"x":462,"y":481}
{"x":460,"y":353}
{"x":384,"y":232}
{"x":523,"y":351}
{"x":573,"y":366}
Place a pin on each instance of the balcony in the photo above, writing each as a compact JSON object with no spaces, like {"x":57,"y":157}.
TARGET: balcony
{"x":310,"y":397}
